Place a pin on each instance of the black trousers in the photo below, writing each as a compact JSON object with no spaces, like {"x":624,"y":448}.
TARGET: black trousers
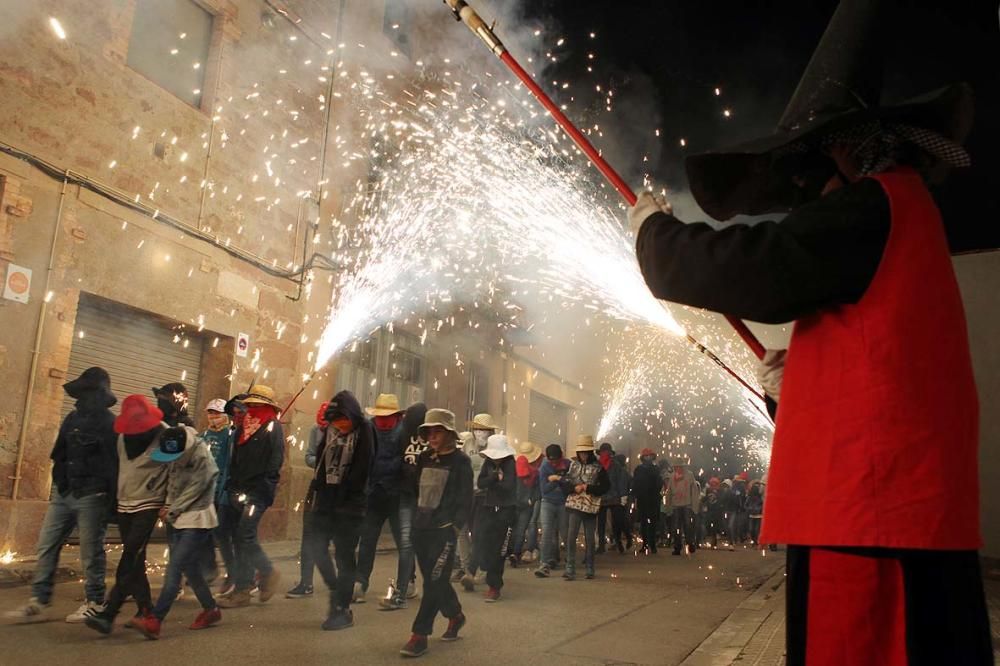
{"x":343,"y":529}
{"x":435,"y":550}
{"x":648,"y":515}
{"x":619,"y":525}
{"x":946,"y":620}
{"x":130,"y":577}
{"x":493,"y":525}
{"x":683,"y":525}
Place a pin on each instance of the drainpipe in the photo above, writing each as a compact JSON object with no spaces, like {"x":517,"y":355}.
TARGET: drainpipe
{"x":36,"y":351}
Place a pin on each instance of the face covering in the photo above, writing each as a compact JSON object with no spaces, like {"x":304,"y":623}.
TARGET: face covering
{"x":481,"y":437}
{"x":387,"y":422}
{"x":257,"y":417}
{"x":343,"y":425}
{"x":217,"y":421}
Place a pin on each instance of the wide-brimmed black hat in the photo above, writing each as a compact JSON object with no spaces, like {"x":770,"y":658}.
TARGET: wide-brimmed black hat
{"x":92,"y":379}
{"x":840,"y":90}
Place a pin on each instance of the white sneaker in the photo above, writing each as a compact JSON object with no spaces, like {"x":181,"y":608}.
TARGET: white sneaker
{"x":359,"y":594}
{"x":87,"y":609}
{"x":33,"y":611}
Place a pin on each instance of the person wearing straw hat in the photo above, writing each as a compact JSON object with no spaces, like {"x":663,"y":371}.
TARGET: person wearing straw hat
{"x":386,"y":502}
{"x":646,"y":487}
{"x":443,"y":487}
{"x":482,"y":426}
{"x":584,"y":484}
{"x":254,"y":472}
{"x":878,"y":366}
{"x":84,"y":477}
{"x":524,"y":538}
{"x":338,"y":501}
{"x":680,"y":492}
{"x":498,"y":480}
{"x":142,"y":493}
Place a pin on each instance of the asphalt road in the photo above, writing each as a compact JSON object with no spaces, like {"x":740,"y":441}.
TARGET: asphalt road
{"x":639,"y":610}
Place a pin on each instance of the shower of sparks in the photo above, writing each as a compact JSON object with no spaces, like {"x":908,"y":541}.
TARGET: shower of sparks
{"x":474,"y":203}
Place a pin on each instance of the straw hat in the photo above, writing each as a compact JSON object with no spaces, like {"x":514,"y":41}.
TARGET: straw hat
{"x":584,"y":443}
{"x":530,"y":451}
{"x":438,"y":417}
{"x":260,"y":395}
{"x":497,"y":447}
{"x":466,"y":439}
{"x":386,"y":404}
{"x":483,"y":422}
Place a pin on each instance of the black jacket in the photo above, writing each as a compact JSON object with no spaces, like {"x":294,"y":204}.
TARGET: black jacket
{"x":255,"y":467}
{"x":85,"y":455}
{"x":455,"y":499}
{"x":413,"y":447}
{"x":499,"y":492}
{"x":351,"y":494}
{"x":647,"y":484}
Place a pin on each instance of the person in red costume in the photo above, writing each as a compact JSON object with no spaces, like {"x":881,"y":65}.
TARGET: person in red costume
{"x":877,"y":382}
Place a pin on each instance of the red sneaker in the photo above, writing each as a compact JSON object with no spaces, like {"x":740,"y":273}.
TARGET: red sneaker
{"x":454,"y":625}
{"x":207,"y":618}
{"x":416,"y":646}
{"x":492,"y":595}
{"x":148,"y":626}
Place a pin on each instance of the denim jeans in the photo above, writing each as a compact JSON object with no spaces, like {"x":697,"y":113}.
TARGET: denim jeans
{"x":90,"y":514}
{"x":237,"y":531}
{"x":588,"y":521}
{"x":187,"y":548}
{"x":683,"y":528}
{"x":343,"y":530}
{"x":553,"y":519}
{"x":399,"y":511}
{"x":525,"y":536}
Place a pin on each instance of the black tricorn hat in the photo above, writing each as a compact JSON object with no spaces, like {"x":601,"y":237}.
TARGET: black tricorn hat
{"x":840,"y":89}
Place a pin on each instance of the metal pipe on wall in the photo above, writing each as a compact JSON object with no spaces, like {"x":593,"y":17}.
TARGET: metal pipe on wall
{"x":36,"y":350}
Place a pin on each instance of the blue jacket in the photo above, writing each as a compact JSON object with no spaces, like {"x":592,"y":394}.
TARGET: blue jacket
{"x":220,"y":443}
{"x":387,"y":467}
{"x":552,"y":492}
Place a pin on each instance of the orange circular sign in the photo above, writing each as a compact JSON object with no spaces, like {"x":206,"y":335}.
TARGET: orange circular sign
{"x":18,"y":283}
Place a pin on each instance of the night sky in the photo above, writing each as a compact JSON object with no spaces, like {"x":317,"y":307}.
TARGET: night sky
{"x":664,"y":60}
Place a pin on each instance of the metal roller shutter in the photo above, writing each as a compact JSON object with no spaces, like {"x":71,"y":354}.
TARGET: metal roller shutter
{"x":139,"y":350}
{"x":547,"y":421}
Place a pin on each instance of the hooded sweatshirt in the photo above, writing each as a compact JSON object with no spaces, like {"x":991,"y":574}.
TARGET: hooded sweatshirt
{"x":445,"y":490}
{"x":343,"y":462}
{"x":498,"y":492}
{"x":142,"y":482}
{"x":552,"y":491}
{"x":85,"y":457}
{"x":191,"y":486}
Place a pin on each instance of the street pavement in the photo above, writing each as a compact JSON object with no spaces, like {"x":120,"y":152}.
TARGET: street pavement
{"x":639,"y":610}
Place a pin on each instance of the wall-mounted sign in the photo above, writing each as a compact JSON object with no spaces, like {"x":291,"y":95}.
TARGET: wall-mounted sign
{"x":17,"y":286}
{"x":242,"y":344}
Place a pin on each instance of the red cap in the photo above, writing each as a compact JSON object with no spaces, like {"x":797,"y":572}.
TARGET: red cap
{"x":647,"y":452}
{"x":137,"y":416}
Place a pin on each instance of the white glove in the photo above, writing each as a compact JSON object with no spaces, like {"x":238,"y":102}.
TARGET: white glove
{"x":647,"y":204}
{"x":770,"y":371}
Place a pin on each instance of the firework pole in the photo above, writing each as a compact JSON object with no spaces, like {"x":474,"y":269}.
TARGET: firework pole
{"x":463,"y":12}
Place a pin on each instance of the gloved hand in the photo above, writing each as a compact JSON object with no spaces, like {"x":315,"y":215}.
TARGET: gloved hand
{"x":770,"y":371}
{"x":647,"y":204}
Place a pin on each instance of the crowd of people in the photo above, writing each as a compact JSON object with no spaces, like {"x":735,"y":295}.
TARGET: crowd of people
{"x":462,"y":505}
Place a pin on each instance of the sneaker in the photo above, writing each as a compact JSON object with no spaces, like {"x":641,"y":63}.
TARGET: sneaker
{"x":454,"y":625}
{"x":411,"y":591}
{"x":589,"y":575}
{"x":415,"y":647}
{"x":180,"y":594}
{"x":269,"y":584}
{"x":457,"y":575}
{"x":236,"y":600}
{"x":569,"y":575}
{"x":492,"y":595}
{"x":392,"y":603}
{"x":339,"y":619}
{"x":226,"y":590}
{"x":299,"y":591}
{"x":33,"y":611}
{"x":512,"y":560}
{"x":86,"y":610}
{"x":359,"y":594}
{"x":542,"y":571}
{"x":469,"y":582}
{"x":207,"y":618}
{"x":101,"y":622}
{"x":148,"y":626}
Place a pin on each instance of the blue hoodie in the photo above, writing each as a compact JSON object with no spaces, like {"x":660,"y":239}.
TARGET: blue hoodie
{"x":387,"y":467}
{"x":551,"y":490}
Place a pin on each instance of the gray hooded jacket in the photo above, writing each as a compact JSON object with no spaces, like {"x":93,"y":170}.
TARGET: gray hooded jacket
{"x":191,"y":486}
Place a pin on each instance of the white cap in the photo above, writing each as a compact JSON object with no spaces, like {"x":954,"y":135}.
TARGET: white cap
{"x":216,"y":405}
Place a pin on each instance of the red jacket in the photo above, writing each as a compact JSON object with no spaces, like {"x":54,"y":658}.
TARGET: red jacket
{"x":877,"y":433}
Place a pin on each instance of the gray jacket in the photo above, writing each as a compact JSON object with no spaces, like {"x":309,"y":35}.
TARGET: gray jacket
{"x":191,"y":480}
{"x":316,"y":436}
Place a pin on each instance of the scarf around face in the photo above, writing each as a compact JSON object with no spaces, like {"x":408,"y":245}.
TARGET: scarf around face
{"x":257,"y":417}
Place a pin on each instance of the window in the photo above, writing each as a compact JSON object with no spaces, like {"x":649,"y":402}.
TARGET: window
{"x":479,"y":391}
{"x":396,"y":25}
{"x":169,"y":45}
{"x":405,"y":366}
{"x":362,"y":355}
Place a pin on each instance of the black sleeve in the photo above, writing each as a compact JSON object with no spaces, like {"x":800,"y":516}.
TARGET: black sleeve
{"x":464,"y":492}
{"x":823,"y":253}
{"x":488,"y":474}
{"x":364,"y":456}
{"x":601,"y":484}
